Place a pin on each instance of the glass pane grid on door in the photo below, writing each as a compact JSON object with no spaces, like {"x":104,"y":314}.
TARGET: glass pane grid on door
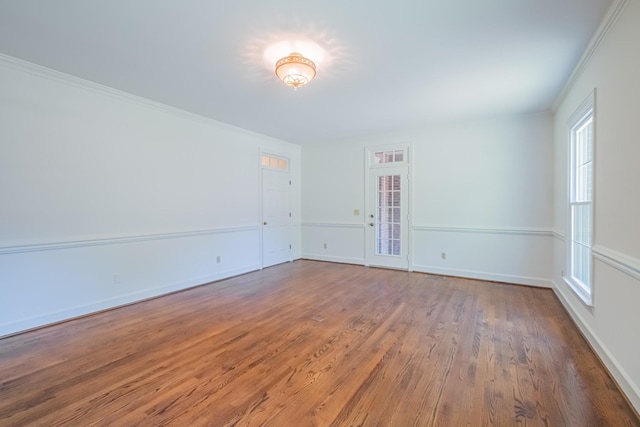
{"x":389,"y":156}
{"x":388,"y":225}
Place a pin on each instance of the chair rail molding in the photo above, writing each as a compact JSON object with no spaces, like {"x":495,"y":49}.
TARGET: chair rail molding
{"x":622,"y":262}
{"x":115,"y":240}
{"x":521,"y":231}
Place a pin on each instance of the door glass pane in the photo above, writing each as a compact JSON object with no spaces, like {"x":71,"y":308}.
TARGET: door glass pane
{"x":388,"y":221}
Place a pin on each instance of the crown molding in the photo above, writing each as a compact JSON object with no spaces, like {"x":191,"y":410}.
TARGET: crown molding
{"x":80,"y":83}
{"x":601,"y":33}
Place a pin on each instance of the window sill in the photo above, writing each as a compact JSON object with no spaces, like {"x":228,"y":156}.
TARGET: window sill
{"x":583,"y":295}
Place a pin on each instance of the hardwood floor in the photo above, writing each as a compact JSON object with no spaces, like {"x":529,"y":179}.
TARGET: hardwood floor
{"x":315,"y":344}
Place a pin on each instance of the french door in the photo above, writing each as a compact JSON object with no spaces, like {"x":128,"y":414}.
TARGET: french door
{"x":387,"y":220}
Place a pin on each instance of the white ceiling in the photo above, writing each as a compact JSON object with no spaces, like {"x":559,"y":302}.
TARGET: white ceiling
{"x":383,"y":66}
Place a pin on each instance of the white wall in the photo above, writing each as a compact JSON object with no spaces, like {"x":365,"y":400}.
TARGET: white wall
{"x":332,"y":187}
{"x":108,"y":198}
{"x":481,"y":192}
{"x":611,"y":325}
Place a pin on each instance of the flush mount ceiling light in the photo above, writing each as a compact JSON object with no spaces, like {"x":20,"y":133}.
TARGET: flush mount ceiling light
{"x":295,"y":70}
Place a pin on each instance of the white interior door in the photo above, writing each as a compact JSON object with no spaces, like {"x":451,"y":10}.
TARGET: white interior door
{"x":276,"y":217}
{"x":387,"y":220}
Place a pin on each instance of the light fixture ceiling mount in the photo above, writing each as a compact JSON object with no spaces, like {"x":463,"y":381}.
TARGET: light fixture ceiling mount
{"x":295,"y":70}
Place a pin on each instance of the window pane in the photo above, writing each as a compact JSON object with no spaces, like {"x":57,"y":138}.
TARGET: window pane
{"x":396,"y":247}
{"x":389,"y":214}
{"x":581,"y":218}
{"x":581,"y":264}
{"x":389,"y":198}
{"x":583,"y":184}
{"x":396,"y":231}
{"x":396,"y":215}
{"x":396,"y":182}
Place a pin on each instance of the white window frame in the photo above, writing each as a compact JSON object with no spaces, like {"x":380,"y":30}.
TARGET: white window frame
{"x":271,"y":161}
{"x":585,"y":291}
{"x":373,"y":163}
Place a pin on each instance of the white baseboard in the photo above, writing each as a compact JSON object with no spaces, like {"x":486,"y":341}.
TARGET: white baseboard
{"x":341,"y":260}
{"x":481,"y":275}
{"x":626,"y":384}
{"x":47,"y":319}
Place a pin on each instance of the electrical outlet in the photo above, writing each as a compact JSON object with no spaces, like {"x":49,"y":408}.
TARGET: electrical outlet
{"x":116,"y":279}
{"x":356,"y":212}
{"x":325,"y":245}
{"x":443,"y":255}
{"x":218,"y":259}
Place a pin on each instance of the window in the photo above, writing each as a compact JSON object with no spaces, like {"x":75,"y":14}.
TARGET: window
{"x":389,"y":221}
{"x":580,"y":210}
{"x":390,"y":156}
{"x":274,"y":162}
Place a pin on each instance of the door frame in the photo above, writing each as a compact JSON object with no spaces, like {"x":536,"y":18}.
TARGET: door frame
{"x":369,"y":157}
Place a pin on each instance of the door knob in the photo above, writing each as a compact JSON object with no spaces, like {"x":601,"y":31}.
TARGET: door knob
{"x":264,"y":223}
{"x":371,"y":224}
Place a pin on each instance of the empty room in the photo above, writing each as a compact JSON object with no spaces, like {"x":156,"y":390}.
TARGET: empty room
{"x":274,"y":213}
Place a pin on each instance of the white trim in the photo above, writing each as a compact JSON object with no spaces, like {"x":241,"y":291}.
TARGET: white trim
{"x":581,"y":292}
{"x":624,"y":263}
{"x":624,"y":381}
{"x":371,"y":150}
{"x":43,"y":320}
{"x":588,"y":105}
{"x":70,"y":80}
{"x":558,"y":234}
{"x":615,"y":10}
{"x":341,"y":260}
{"x":525,"y":231}
{"x":275,"y":156}
{"x":116,"y":240}
{"x":333,"y":224}
{"x":481,"y":275}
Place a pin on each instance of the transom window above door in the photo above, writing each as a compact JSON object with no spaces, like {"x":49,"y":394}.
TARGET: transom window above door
{"x":391,"y":156}
{"x":395,"y":156}
{"x":273,"y":162}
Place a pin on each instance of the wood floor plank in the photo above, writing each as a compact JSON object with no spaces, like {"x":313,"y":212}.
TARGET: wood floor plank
{"x":315,"y":344}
